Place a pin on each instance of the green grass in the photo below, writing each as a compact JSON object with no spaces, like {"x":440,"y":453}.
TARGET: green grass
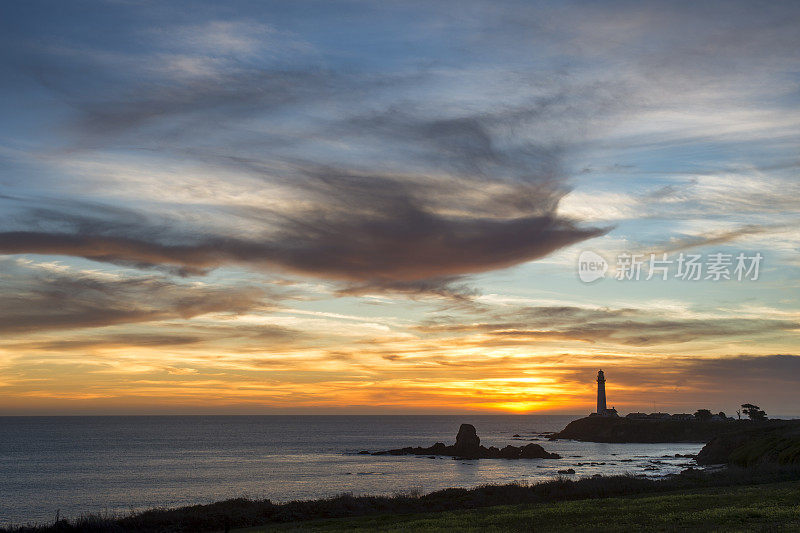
{"x":771,"y":507}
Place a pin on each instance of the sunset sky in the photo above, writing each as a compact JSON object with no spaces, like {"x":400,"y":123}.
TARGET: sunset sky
{"x":378,"y":207}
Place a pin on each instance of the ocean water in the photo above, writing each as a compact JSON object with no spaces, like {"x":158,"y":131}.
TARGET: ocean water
{"x":80,"y":465}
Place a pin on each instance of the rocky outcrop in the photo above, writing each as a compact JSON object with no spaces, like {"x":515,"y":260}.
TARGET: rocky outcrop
{"x":467,"y":441}
{"x":606,"y":429}
{"x":468,"y":446}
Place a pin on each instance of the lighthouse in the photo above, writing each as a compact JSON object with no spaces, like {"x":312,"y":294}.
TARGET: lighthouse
{"x":602,"y":409}
{"x":601,"y":393}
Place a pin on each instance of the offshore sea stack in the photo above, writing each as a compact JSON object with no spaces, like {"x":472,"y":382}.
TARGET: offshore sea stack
{"x":468,"y":446}
{"x":468,"y":443}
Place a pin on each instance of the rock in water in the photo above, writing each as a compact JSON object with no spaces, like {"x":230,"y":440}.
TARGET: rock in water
{"x":534,"y":451}
{"x":467,"y":441}
{"x":510,"y":452}
{"x":468,"y":446}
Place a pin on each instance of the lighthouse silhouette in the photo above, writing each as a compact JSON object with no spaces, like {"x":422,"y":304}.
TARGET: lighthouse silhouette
{"x":601,"y":393}
{"x":602,"y":409}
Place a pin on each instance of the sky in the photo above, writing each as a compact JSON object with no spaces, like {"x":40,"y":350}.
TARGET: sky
{"x":380,"y":207}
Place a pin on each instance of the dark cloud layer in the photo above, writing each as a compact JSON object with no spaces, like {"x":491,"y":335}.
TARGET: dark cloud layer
{"x":174,"y":334}
{"x":46,"y":300}
{"x":392,"y":239}
{"x":110,"y":341}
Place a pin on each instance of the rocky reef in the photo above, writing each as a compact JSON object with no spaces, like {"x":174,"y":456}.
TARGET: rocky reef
{"x":468,"y":446}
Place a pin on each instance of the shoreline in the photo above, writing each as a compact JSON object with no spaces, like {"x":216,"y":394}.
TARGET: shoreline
{"x":245,"y":455}
{"x":245,"y":513}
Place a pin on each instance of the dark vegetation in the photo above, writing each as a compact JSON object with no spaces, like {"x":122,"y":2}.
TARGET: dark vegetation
{"x":769,"y":507}
{"x":753,"y":412}
{"x":239,"y":513}
{"x":706,"y":414}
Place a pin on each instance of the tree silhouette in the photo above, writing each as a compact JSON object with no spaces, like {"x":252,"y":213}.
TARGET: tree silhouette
{"x":753,"y":411}
{"x":703,"y":414}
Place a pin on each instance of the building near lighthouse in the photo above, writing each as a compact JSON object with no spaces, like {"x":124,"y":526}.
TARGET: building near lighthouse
{"x":602,"y":408}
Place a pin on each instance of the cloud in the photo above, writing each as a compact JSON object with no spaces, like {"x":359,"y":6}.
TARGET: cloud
{"x":380,"y":189}
{"x":420,"y":150}
{"x":204,"y":102}
{"x":174,"y":334}
{"x":713,"y":238}
{"x":236,"y":38}
{"x":779,"y":368}
{"x":628,"y":327}
{"x":370,"y":229}
{"x":117,"y":340}
{"x":477,"y":205}
{"x":41,"y":299}
{"x":451,"y":289}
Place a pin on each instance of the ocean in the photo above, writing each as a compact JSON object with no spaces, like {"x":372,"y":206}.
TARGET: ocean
{"x":119,"y":464}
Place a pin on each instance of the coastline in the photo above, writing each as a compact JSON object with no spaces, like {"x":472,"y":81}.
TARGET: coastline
{"x":181,"y":461}
{"x":243,"y":513}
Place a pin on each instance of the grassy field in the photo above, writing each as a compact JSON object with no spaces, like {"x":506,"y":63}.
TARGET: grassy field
{"x":771,"y":507}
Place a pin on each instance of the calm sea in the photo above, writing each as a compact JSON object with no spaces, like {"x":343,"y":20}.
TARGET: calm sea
{"x":119,"y":464}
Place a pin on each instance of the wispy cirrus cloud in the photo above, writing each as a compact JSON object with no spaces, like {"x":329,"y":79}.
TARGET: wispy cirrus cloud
{"x":608,"y":326}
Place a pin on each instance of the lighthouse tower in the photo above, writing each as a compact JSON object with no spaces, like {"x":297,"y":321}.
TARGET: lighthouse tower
{"x":602,"y":409}
{"x":601,"y":393}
